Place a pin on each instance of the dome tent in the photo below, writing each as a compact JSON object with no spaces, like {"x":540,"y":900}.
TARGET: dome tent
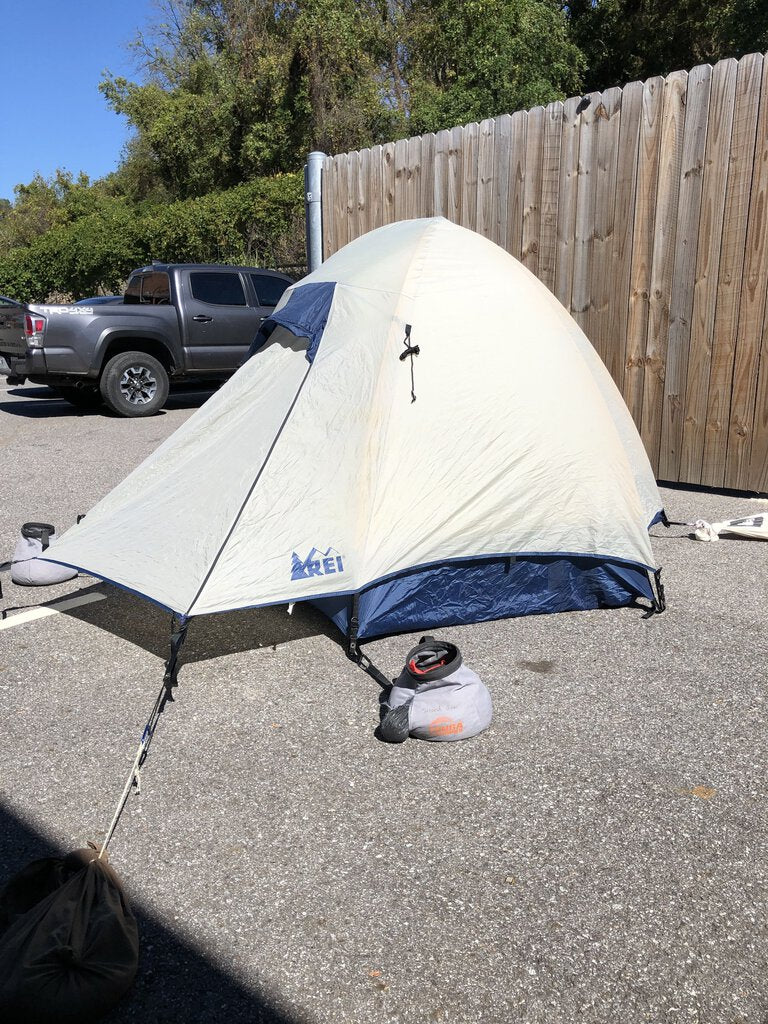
{"x":426,"y":437}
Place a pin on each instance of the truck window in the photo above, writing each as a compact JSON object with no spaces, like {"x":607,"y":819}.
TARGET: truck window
{"x":268,"y":289}
{"x":217,"y":288}
{"x":148,"y":289}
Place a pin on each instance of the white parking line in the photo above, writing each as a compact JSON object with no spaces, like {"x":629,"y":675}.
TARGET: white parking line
{"x":18,"y":618}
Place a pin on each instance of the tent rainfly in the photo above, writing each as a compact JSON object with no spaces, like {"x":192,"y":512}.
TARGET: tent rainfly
{"x":423,"y":437}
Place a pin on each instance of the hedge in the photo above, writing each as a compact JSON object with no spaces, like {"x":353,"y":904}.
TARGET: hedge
{"x":259,"y":223}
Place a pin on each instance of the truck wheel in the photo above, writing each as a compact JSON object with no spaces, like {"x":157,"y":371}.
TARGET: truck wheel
{"x":134,"y":384}
{"x":81,"y":398}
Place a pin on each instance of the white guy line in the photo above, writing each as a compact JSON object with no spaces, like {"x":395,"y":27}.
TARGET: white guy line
{"x":16,"y":619}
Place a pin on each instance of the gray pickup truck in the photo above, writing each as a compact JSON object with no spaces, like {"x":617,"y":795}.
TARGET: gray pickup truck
{"x":176,"y":322}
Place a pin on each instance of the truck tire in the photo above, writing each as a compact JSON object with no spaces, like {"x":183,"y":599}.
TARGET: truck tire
{"x":81,"y":398}
{"x":134,"y":384}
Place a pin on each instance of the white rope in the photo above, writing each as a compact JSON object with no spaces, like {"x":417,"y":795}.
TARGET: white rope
{"x":134,"y":775}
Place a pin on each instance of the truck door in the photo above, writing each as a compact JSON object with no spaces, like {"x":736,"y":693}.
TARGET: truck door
{"x":219,"y":323}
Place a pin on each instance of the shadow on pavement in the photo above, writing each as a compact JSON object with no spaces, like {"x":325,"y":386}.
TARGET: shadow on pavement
{"x":51,"y":406}
{"x":176,"y":983}
{"x":210,"y":636}
{"x":36,"y":392}
{"x":42,"y":403}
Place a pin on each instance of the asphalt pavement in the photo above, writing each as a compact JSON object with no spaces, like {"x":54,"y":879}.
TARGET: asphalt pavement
{"x":599,"y":855}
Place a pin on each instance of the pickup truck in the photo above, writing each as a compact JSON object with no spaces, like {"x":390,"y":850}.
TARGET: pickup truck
{"x":176,"y":322}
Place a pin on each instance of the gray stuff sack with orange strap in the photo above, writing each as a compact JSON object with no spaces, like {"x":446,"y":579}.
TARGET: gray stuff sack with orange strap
{"x":436,"y":697}
{"x":28,"y":569}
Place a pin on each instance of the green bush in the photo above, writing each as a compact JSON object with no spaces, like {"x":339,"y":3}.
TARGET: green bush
{"x":259,"y":223}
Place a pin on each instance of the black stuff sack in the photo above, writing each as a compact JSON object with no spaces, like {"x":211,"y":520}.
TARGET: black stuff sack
{"x":436,"y":697}
{"x":69,"y":943}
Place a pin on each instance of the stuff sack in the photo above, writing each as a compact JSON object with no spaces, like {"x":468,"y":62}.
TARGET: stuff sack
{"x":69,"y":944}
{"x":28,"y":570}
{"x":436,"y":697}
{"x":755,"y":527}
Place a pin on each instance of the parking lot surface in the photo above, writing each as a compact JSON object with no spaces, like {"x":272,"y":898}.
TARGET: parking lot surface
{"x":599,"y":855}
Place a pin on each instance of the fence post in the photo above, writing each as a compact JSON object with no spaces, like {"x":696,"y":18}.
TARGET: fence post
{"x":313,"y":177}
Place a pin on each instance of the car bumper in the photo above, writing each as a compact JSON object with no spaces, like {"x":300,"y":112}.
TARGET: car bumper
{"x":31,"y":361}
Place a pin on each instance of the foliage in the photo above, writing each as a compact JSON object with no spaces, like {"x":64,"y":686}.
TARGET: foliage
{"x":625,"y":40}
{"x":256,"y":223}
{"x":237,"y":88}
{"x":44,"y":204}
{"x":468,"y":61}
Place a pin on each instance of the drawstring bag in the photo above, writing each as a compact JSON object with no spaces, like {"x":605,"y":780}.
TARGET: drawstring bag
{"x":436,"y":697}
{"x":755,"y":527}
{"x":27,"y":569}
{"x":69,"y":943}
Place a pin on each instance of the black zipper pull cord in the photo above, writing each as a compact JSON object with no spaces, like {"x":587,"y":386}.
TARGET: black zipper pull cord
{"x":410,"y":350}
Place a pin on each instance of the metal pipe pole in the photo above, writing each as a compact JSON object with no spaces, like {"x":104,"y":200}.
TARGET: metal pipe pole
{"x":313,"y":190}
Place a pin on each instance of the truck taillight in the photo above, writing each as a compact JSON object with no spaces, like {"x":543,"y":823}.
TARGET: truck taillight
{"x":34,"y":329}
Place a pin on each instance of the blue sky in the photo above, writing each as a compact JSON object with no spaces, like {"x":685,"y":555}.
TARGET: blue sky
{"x":53,"y":57}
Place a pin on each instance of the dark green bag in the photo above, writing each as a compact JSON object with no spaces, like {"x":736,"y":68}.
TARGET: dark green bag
{"x":69,"y":944}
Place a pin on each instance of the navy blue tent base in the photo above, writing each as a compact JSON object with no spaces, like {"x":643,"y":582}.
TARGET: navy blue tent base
{"x":490,"y":588}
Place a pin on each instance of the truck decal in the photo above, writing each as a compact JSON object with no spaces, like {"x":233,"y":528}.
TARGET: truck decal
{"x":72,"y":310}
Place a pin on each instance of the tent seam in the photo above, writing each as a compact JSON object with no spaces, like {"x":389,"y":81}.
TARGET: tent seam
{"x":251,"y":489}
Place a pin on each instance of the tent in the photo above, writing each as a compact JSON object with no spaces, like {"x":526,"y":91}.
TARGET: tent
{"x":423,"y":437}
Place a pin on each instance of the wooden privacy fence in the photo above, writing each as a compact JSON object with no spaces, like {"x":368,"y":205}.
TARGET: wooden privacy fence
{"x":645,"y":211}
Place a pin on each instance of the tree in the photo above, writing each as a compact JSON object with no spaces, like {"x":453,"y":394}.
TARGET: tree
{"x":240,"y":88}
{"x":45,"y":203}
{"x":237,"y":89}
{"x":624,"y":41}
{"x":478,"y":58}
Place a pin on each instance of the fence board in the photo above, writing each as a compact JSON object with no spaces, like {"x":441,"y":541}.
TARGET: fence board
{"x":388,"y":183}
{"x":566,"y":207}
{"x":340,"y":211}
{"x":684,"y":275}
{"x":374,"y":176}
{"x":455,"y":178}
{"x":623,"y":230}
{"x":326,"y":199}
{"x":353,"y":176}
{"x":758,"y":468}
{"x":550,"y":178}
{"x":665,"y":229}
{"x":428,"y":164}
{"x":600,"y":329}
{"x":502,"y":148}
{"x":740,"y":171}
{"x":516,"y":183}
{"x":642,"y":244}
{"x":751,"y":310}
{"x":486,"y":197}
{"x":413,"y":190}
{"x":471,"y":148}
{"x":719,"y":127}
{"x":413,"y":178}
{"x":363,"y":179}
{"x":401,"y":180}
{"x":584,"y":230}
{"x":534,"y":152}
{"x":440,"y":179}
